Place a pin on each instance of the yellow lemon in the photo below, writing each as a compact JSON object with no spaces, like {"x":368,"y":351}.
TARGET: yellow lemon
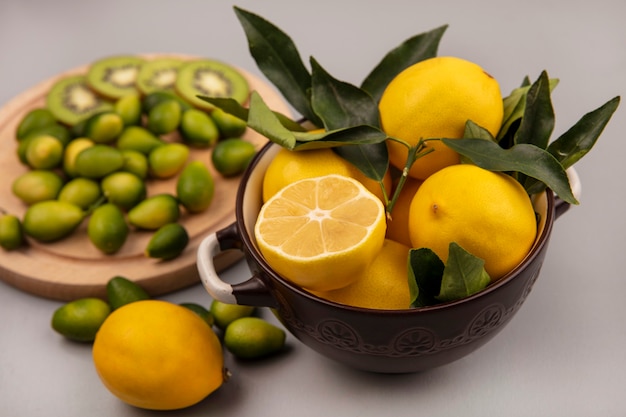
{"x":398,"y":223}
{"x":158,"y":355}
{"x":321,"y":233}
{"x":289,"y":166}
{"x":434,"y":99}
{"x":384,"y":285}
{"x":489,"y":214}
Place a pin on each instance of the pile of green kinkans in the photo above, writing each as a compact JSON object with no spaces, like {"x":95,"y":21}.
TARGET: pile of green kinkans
{"x":244,"y":334}
{"x":96,"y":164}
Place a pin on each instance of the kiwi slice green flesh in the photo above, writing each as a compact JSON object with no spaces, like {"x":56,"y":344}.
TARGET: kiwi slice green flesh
{"x":114,"y":77}
{"x":71,"y":100}
{"x":213,"y":79}
{"x":158,"y":74}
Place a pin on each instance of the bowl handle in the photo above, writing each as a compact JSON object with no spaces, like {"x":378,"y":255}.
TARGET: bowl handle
{"x":252,"y":292}
{"x":561,"y":206}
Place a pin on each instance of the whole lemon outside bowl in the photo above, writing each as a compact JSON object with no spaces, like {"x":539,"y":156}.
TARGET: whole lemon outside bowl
{"x":384,"y":341}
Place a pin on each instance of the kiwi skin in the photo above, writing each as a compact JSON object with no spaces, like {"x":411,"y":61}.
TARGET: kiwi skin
{"x":114,"y":77}
{"x":206,"y":77}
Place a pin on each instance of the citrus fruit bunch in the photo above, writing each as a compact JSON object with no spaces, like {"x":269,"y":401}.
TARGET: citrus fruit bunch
{"x":454,"y":163}
{"x":310,"y":234}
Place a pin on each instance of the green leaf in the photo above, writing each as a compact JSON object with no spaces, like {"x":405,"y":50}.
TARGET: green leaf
{"x":355,"y":135}
{"x":463,"y":275}
{"x":537,"y":123}
{"x":578,"y":140}
{"x":425,"y":274}
{"x":524,"y":158}
{"x":571,"y":146}
{"x":233,"y":107}
{"x":278,"y":58}
{"x":263,"y":120}
{"x":515,"y":105}
{"x":474,"y":131}
{"x":269,"y":124}
{"x":538,"y":120}
{"x":339,"y":104}
{"x":371,"y":159}
{"x":409,"y":52}
{"x":525,"y":82}
{"x":511,"y":101}
{"x":229,"y":105}
{"x":510,"y":105}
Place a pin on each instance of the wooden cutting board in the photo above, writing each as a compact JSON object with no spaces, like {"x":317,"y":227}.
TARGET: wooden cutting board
{"x":73,"y":267}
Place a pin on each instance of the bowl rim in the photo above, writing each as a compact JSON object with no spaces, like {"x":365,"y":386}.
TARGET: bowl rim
{"x":505,"y":280}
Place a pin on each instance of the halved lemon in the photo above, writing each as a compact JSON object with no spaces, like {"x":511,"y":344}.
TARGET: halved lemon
{"x":321,"y":233}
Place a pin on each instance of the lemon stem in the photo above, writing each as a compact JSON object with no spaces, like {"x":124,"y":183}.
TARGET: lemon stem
{"x":226,"y":374}
{"x":415,"y":152}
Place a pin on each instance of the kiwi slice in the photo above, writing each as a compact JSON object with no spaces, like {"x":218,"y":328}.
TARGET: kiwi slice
{"x":213,"y":79}
{"x":71,"y":100}
{"x":158,"y":75}
{"x":116,"y":76}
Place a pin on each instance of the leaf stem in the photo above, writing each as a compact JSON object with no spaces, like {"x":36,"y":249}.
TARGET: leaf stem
{"x":415,"y":152}
{"x":400,"y":141}
{"x":381,"y":183}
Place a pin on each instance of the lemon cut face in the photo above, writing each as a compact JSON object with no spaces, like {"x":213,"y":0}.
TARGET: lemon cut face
{"x":321,"y":233}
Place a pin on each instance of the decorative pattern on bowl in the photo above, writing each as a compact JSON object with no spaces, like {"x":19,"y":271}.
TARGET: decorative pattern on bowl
{"x":386,"y":341}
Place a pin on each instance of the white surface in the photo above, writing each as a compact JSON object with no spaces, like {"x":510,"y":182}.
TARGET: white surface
{"x":564,"y":352}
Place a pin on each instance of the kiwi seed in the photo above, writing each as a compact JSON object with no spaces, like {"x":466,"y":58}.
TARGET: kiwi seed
{"x":158,"y":75}
{"x":210,"y":78}
{"x":116,"y":76}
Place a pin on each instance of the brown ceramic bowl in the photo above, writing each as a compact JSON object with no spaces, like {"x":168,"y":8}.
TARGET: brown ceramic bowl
{"x":373,"y":340}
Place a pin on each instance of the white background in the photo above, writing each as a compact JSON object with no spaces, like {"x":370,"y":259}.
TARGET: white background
{"x":564,"y":352}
